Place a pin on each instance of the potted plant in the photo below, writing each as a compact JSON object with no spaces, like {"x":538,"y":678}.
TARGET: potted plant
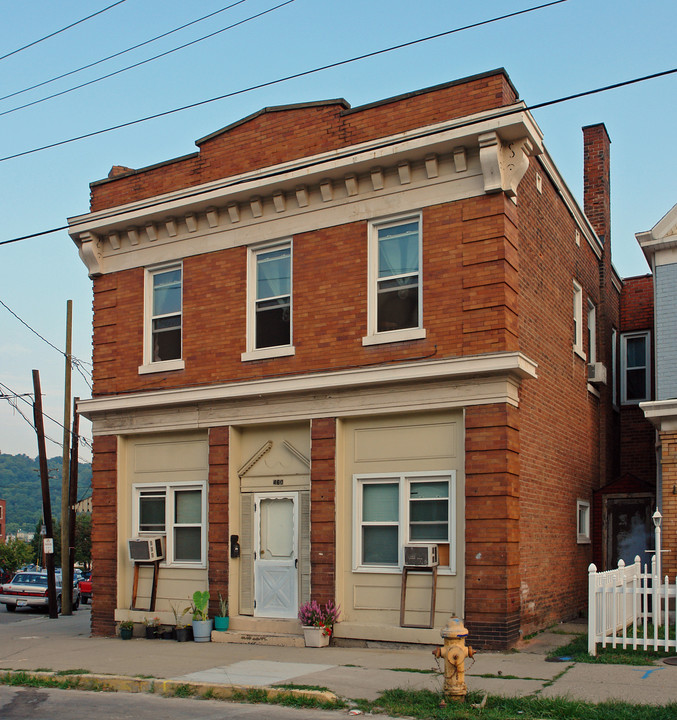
{"x":222,"y":620}
{"x":152,"y":627}
{"x":182,"y":632}
{"x":318,"y":622}
{"x":126,"y":629}
{"x":202,"y":625}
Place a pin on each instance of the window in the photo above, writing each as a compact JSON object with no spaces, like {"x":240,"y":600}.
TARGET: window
{"x":178,"y":512}
{"x":635,"y":369}
{"x":592,"y":333}
{"x":163,"y":334}
{"x":614,"y":368}
{"x":578,"y":320}
{"x":395,"y":310}
{"x":270,"y":302}
{"x":583,"y":521}
{"x":394,"y":510}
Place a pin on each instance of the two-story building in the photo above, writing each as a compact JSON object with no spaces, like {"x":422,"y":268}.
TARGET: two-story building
{"x":333,"y":332}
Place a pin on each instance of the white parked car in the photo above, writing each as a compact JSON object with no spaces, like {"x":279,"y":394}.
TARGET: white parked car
{"x":29,"y":589}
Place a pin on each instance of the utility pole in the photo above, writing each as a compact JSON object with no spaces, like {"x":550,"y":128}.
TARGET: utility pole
{"x":73,"y":486}
{"x":46,"y":503}
{"x":66,"y":568}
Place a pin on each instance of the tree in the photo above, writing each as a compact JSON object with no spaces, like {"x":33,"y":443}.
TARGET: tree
{"x":14,"y":554}
{"x":83,"y":539}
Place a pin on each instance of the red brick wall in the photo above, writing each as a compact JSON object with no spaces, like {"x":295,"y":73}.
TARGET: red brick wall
{"x":469,"y":241}
{"x":492,"y":532}
{"x":104,"y":533}
{"x":564,"y":428}
{"x":638,"y":436}
{"x":219,"y":539}
{"x":323,"y":509}
{"x":275,"y":137}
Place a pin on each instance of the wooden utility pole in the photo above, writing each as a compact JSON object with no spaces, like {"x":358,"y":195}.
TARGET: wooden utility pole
{"x":73,"y":485}
{"x":66,"y":568}
{"x":46,"y":503}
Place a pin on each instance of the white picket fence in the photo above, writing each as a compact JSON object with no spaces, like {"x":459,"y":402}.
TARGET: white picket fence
{"x":622,"y":603}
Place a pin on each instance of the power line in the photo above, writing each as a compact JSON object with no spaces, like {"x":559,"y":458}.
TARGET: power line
{"x":75,"y":363}
{"x":56,"y":32}
{"x":121,"y":52}
{"x":144,"y":62}
{"x":283,"y":79}
{"x":505,"y":113}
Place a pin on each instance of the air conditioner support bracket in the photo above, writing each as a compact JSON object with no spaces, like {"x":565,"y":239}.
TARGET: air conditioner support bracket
{"x":153,"y":594}
{"x":433,"y":596}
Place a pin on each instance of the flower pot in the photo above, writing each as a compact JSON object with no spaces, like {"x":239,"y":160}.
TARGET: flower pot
{"x":202,"y":630}
{"x":314,"y":636}
{"x":126,"y":633}
{"x":221,"y":623}
{"x":151,"y":632}
{"x":183,"y":634}
{"x":166,"y":634}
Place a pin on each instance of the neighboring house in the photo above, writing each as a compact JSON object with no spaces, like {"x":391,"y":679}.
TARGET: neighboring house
{"x":623,"y":508}
{"x":332,"y":332}
{"x":3,"y":520}
{"x":660,"y":248}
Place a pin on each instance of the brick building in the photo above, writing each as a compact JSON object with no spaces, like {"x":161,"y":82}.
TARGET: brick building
{"x":333,"y":332}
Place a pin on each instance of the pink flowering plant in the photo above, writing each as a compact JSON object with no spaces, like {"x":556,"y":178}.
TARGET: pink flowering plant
{"x":312,"y":614}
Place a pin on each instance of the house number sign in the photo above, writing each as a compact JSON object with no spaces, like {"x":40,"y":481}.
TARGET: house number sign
{"x":278,"y":481}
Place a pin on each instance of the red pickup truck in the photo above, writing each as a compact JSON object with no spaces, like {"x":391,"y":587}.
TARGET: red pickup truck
{"x":86,"y":590}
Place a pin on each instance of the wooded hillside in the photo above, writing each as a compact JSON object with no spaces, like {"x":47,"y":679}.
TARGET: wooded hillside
{"x":20,"y":487}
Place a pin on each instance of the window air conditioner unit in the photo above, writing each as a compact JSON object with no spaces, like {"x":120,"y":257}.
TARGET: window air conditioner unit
{"x":597,"y":373}
{"x":420,"y":555}
{"x":146,"y":549}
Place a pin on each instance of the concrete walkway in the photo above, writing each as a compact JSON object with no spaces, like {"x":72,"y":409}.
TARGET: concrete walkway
{"x":39,"y":643}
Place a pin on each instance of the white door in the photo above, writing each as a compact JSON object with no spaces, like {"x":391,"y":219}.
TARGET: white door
{"x":276,"y":555}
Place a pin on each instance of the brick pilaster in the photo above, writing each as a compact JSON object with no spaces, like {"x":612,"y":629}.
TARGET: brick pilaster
{"x":218,"y":543}
{"x":104,"y":533}
{"x":669,"y":510}
{"x":323,"y":509}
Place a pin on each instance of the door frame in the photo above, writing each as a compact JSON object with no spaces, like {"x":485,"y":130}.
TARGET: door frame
{"x":292,"y":495}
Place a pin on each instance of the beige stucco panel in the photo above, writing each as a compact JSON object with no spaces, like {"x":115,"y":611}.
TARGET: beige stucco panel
{"x":158,"y":458}
{"x":420,"y":442}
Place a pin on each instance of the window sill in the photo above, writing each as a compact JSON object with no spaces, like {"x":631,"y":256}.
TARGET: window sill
{"x":162,"y":366}
{"x":265,"y":353}
{"x":395,"y":336}
{"x":376,"y":570}
{"x":593,"y":391}
{"x":579,"y":351}
{"x":583,"y":540}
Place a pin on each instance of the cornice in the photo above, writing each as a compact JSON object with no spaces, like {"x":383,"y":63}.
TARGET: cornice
{"x":662,"y":414}
{"x":486,"y":152}
{"x":514,"y":365}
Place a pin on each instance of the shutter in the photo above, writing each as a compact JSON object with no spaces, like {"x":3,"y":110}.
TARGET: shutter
{"x":304,"y":546}
{"x":247,"y":554}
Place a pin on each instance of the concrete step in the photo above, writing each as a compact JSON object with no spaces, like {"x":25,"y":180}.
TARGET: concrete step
{"x":253,"y":638}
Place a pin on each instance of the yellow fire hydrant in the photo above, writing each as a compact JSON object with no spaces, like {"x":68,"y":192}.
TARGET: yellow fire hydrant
{"x":454,"y":653}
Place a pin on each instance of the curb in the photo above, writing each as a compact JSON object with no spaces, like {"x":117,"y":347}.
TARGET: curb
{"x":158,"y":686}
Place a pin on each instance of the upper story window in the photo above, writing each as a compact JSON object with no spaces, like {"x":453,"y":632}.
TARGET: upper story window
{"x":163,"y":327}
{"x":578,"y":319}
{"x":395,"y":510}
{"x":395,"y":307}
{"x":592,"y":333}
{"x":269,"y":302}
{"x":177,"y":511}
{"x":635,"y":367}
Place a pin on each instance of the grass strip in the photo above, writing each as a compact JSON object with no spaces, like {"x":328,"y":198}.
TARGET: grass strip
{"x":577,"y":651}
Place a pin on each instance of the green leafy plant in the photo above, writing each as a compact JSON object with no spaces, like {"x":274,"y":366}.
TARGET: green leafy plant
{"x":127,"y":624}
{"x":178,"y":616}
{"x":200,"y":605}
{"x":223,"y":606}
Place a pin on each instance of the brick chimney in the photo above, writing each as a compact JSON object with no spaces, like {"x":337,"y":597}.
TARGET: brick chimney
{"x":596,"y":180}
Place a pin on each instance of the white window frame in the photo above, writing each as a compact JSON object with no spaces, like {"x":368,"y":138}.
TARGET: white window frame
{"x":646,"y":335}
{"x":578,"y":319}
{"x":404,"y":481}
{"x":592,"y":332}
{"x":170,"y":489}
{"x":252,"y":352}
{"x":583,"y":522}
{"x":373,"y":337}
{"x":614,"y":367}
{"x":150,"y":366}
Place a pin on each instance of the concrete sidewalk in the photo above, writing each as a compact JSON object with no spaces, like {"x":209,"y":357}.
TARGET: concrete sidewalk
{"x":39,"y":643}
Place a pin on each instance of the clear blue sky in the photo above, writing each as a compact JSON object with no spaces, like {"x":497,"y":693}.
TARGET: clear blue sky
{"x":574,"y":46}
